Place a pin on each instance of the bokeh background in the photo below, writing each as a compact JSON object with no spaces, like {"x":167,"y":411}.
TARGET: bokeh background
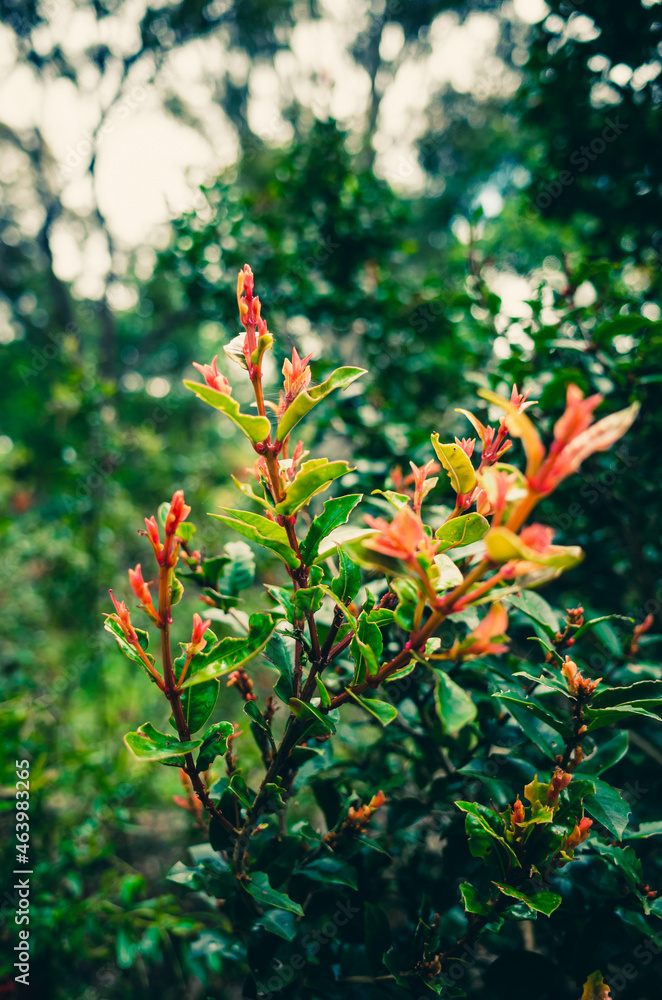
{"x":452,"y":195}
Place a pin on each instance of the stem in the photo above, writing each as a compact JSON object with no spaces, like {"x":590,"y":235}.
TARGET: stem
{"x":174,"y":697}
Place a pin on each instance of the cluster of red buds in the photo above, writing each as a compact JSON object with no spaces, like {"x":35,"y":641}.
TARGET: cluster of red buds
{"x":357,"y":819}
{"x":361,"y":816}
{"x":166,"y":554}
{"x":243,"y":683}
{"x":574,"y":619}
{"x":518,"y":814}
{"x":418,"y":478}
{"x":141,"y":590}
{"x":578,"y":834}
{"x":639,"y":630}
{"x":213,"y":377}
{"x":560,"y":780}
{"x":578,"y":686}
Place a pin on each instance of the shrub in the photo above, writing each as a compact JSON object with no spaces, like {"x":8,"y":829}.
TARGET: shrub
{"x":404,"y":702}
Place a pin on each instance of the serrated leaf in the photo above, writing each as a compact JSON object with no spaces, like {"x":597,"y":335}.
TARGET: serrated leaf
{"x":255,"y":428}
{"x":147,"y":743}
{"x":305,"y":401}
{"x":261,"y":530}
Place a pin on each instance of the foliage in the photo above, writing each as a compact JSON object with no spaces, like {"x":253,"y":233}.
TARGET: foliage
{"x":355,"y":652}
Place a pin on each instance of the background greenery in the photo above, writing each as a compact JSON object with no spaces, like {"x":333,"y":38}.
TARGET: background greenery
{"x":404,"y":285}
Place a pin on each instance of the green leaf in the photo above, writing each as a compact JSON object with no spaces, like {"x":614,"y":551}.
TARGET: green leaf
{"x":240,"y":788}
{"x":212,"y":568}
{"x":624,"y":859}
{"x":313,"y":477}
{"x":261,"y":530}
{"x":366,"y":648}
{"x":256,"y":429}
{"x":346,"y":585}
{"x":599,"y":717}
{"x":325,"y":697}
{"x":396,"y":500}
{"x":277,"y":653}
{"x":535,"y":607}
{"x":640,"y":694}
{"x":147,"y":743}
{"x":248,"y":491}
{"x":305,"y":401}
{"x":259,"y":888}
{"x":214,"y":744}
{"x":598,"y":621}
{"x":531,"y":706}
{"x":472,"y":900}
{"x":198,"y":703}
{"x":462,"y":530}
{"x":233,"y":651}
{"x":185,"y":531}
{"x":456,"y":463}
{"x":606,"y":755}
{"x":383,"y":711}
{"x":455,"y":708}
{"x":255,"y":715}
{"x":544,"y":902}
{"x":115,"y":630}
{"x":335,"y":513}
{"x":302,"y":710}
{"x":278,"y":922}
{"x":331,"y":871}
{"x":608,"y":807}
{"x":483,"y":818}
{"x":449,"y":573}
{"x":239,"y":572}
{"x":546,"y":739}
{"x":377,"y":935}
{"x":651,"y":829}
{"x":307,"y":601}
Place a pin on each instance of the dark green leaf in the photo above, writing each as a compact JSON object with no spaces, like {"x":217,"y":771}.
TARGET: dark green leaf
{"x":334,"y":514}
